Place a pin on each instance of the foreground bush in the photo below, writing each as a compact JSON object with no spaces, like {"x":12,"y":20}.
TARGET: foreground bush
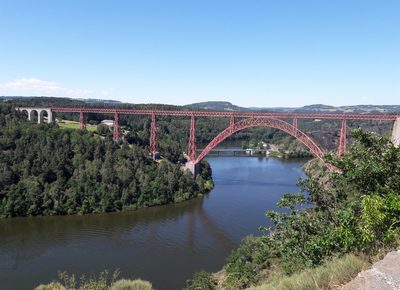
{"x":51,"y":286}
{"x":104,"y":281}
{"x":200,"y":281}
{"x":125,"y":284}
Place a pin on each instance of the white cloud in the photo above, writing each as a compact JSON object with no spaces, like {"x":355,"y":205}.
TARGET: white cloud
{"x":31,"y":84}
{"x":33,"y":87}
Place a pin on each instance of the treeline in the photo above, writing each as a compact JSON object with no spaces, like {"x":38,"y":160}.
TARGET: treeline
{"x":45,"y":170}
{"x":353,"y":210}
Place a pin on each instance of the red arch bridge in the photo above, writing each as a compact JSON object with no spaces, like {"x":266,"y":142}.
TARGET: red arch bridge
{"x":286,"y":122}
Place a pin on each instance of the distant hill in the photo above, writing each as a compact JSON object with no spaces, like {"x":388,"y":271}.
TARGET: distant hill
{"x":350,"y":109}
{"x":212,"y":105}
{"x":316,"y":108}
{"x":217,"y":106}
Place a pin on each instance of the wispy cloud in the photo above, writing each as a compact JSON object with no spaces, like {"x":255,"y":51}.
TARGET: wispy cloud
{"x":33,"y":86}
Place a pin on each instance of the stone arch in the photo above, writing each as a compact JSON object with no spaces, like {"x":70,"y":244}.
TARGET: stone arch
{"x":33,"y":115}
{"x":25,"y":113}
{"x":42,"y":114}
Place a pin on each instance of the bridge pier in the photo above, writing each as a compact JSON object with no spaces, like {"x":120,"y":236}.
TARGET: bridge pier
{"x":30,"y":114}
{"x":192,"y":139}
{"x":116,"y":127}
{"x":194,"y":168}
{"x":396,"y":132}
{"x":155,"y":155}
{"x":342,"y":140}
{"x":82,"y":124}
{"x":153,"y":135}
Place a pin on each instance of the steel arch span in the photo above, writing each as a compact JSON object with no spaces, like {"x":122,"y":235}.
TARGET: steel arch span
{"x":266,"y":122}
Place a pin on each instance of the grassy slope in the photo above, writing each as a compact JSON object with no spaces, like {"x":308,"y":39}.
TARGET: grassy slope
{"x":331,"y":275}
{"x":66,"y":124}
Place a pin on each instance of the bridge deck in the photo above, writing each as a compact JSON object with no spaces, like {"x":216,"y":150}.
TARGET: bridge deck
{"x":228,"y":114}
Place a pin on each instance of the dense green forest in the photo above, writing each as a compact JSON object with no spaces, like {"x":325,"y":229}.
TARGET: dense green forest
{"x":45,"y":170}
{"x":355,"y":210}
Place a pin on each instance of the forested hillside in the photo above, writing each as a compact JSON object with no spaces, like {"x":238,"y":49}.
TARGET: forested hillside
{"x":45,"y":170}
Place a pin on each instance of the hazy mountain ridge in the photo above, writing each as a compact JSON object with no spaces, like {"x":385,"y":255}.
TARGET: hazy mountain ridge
{"x":316,"y":108}
{"x":219,"y":105}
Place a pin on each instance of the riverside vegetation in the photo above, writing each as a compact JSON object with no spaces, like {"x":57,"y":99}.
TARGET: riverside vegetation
{"x":336,"y":226}
{"x":45,"y":170}
{"x":104,"y":281}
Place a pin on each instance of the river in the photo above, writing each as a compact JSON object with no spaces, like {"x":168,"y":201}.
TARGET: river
{"x":164,"y":245}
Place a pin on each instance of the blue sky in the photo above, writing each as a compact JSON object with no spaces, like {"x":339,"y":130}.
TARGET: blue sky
{"x":251,"y":53}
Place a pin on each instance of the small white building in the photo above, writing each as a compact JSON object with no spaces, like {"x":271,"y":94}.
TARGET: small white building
{"x":108,"y":123}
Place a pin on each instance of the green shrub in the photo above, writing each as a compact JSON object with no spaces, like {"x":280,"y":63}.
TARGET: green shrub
{"x":51,"y":286}
{"x":200,"y":281}
{"x":103,"y":282}
{"x":245,"y":264}
{"x":126,"y":284}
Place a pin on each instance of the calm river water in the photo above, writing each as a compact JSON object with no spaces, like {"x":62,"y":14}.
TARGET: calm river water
{"x":165,"y":245}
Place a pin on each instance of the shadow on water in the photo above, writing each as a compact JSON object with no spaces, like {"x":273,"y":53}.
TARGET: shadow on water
{"x":23,"y":240}
{"x":55,"y":231}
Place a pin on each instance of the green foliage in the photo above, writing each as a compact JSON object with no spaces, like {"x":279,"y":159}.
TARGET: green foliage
{"x":200,"y":281}
{"x":372,"y":166}
{"x":244,"y":265}
{"x":380,"y":219}
{"x":354,"y":210}
{"x":104,"y":281}
{"x":126,"y":284}
{"x":103,"y":129}
{"x":50,"y":286}
{"x":48,"y":171}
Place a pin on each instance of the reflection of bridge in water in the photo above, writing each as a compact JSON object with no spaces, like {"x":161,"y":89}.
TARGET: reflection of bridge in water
{"x":286,"y":122}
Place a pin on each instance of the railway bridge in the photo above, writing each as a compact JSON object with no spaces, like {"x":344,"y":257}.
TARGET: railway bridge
{"x":286,"y":122}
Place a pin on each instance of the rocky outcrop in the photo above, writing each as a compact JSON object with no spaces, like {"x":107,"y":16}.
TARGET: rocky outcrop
{"x":383,"y":275}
